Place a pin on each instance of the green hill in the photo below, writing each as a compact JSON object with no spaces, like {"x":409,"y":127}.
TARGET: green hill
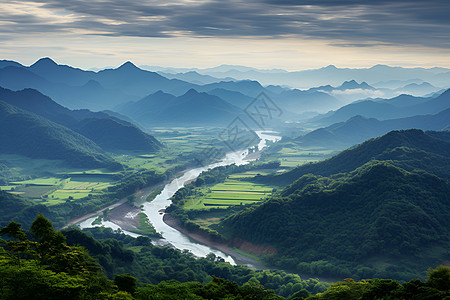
{"x":409,"y":149}
{"x":378,"y":213}
{"x":112,"y":133}
{"x":11,"y":205}
{"x":31,"y":135}
{"x":106,"y":131}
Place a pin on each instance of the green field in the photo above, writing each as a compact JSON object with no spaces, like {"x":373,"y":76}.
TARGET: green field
{"x":53,"y":190}
{"x":234,"y":191}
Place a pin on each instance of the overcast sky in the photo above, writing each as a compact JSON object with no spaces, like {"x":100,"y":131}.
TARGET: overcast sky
{"x":285,"y":34}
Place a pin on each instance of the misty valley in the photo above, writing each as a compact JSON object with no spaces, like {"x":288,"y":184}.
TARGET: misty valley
{"x":142,"y":182}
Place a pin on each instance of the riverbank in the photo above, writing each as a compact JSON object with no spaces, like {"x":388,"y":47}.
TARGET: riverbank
{"x":121,"y":213}
{"x":98,"y":212}
{"x":206,"y":240}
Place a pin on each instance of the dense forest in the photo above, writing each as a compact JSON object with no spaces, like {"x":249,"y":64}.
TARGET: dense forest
{"x":46,"y":264}
{"x":386,"y":216}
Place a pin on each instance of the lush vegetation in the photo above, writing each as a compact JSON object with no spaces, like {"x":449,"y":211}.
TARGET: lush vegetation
{"x":386,"y":218}
{"x":36,"y":137}
{"x":437,"y":286}
{"x":217,"y":193}
{"x":46,"y":264}
{"x":118,"y":253}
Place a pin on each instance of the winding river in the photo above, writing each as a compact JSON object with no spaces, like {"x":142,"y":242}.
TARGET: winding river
{"x":154,"y":209}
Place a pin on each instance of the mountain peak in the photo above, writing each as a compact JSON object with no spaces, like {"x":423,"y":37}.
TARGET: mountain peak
{"x":329,"y":67}
{"x":44,"y":62}
{"x":128,"y":66}
{"x":191,"y":92}
{"x":351,"y":84}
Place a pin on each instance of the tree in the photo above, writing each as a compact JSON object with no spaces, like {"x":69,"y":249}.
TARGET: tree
{"x":439,"y":278}
{"x":125,"y":283}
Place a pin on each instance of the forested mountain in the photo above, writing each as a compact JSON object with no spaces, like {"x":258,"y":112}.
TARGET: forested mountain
{"x":358,"y":129}
{"x":28,"y":134}
{"x":404,"y":148}
{"x":108,"y":132}
{"x":383,"y":109}
{"x":192,"y":108}
{"x":381,"y":211}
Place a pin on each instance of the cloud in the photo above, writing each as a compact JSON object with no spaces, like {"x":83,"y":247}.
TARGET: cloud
{"x":342,"y":23}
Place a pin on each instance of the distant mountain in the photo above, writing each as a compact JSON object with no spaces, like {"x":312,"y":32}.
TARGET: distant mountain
{"x":421,"y":89}
{"x":192,"y":108}
{"x":384,"y":205}
{"x":299,"y":102}
{"x":108,"y":132}
{"x":358,"y":129}
{"x":90,"y":95}
{"x":9,"y":63}
{"x":247,"y":87}
{"x":235,"y":98}
{"x":144,"y":110}
{"x":31,"y":135}
{"x":76,"y":88}
{"x":334,"y":76}
{"x":135,"y":81}
{"x":346,"y":85}
{"x":50,"y":70}
{"x":194,"y":77}
{"x":382,"y":109}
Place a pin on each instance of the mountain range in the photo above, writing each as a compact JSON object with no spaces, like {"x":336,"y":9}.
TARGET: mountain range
{"x":329,"y":75}
{"x":358,"y":129}
{"x":383,"y":109}
{"x":108,"y":132}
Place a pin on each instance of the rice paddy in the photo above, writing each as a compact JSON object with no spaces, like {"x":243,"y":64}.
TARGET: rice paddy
{"x":233,"y":192}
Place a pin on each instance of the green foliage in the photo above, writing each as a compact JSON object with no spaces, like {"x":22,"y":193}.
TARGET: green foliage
{"x":125,"y":283}
{"x":439,"y":278}
{"x":390,"y":289}
{"x":48,"y":268}
{"x":36,"y":137}
{"x":152,"y":264}
{"x":216,"y":289}
{"x":385,"y":218}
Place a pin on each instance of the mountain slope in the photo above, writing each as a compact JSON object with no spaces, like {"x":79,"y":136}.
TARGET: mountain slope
{"x":383,"y":109}
{"x":422,"y":143}
{"x":108,"y":132}
{"x":191,"y":109}
{"x":28,"y":134}
{"x":358,"y":129}
{"x":113,"y":134}
{"x":382,"y":211}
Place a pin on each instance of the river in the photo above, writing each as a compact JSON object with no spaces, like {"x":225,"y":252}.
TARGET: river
{"x":154,"y":209}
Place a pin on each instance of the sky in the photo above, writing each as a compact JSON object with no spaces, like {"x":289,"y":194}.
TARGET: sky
{"x":266,"y":34}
